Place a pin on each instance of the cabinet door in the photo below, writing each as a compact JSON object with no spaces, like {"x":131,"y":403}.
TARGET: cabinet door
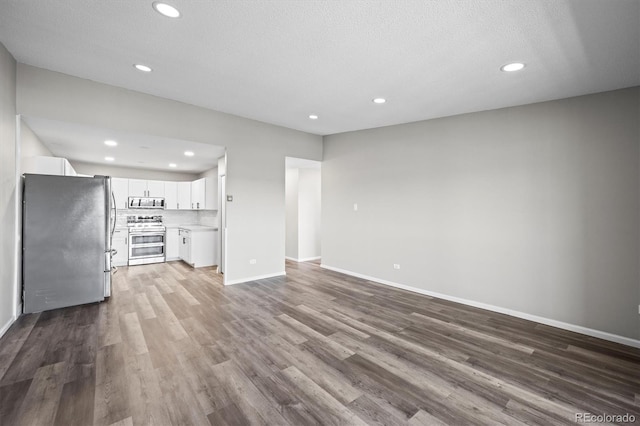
{"x":185,"y":245}
{"x":184,"y":196}
{"x":171,"y":195}
{"x":120,"y":189}
{"x":137,"y":188}
{"x":45,"y":165}
{"x":173,"y":244}
{"x":155,"y":188}
{"x":120,"y":244}
{"x":198,"y":194}
{"x":203,"y":249}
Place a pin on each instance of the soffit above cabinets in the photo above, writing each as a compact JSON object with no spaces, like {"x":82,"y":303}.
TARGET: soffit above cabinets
{"x":281,"y":61}
{"x":77,"y":142}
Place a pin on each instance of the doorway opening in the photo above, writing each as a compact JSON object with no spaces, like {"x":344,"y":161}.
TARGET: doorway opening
{"x":303,"y":209}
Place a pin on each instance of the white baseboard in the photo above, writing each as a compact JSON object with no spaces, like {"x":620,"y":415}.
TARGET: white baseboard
{"x":542,"y":320}
{"x":305,"y":259}
{"x":7,"y":325}
{"x":11,"y":320}
{"x":258,"y":277}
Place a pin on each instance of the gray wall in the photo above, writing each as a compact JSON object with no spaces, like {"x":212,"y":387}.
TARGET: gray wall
{"x":30,"y":145}
{"x":255,"y":153}
{"x":291,"y":200}
{"x":532,"y":208}
{"x":211,"y":173}
{"x":127,"y":172}
{"x":7,"y":187}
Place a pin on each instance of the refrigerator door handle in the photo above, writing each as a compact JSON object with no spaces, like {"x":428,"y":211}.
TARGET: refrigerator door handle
{"x":107,"y":261}
{"x":115,"y":215}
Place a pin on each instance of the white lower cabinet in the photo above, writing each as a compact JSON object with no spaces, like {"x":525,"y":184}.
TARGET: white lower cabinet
{"x":198,"y":247}
{"x":185,"y":245}
{"x":172,"y":250}
{"x":121,"y":245}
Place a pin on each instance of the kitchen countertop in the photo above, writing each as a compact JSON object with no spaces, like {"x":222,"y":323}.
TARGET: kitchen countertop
{"x":196,"y":228}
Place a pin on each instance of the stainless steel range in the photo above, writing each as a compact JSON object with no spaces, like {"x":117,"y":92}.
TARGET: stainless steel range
{"x":147,"y":240}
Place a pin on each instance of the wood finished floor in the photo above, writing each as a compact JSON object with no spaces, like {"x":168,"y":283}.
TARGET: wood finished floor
{"x":173,"y":346}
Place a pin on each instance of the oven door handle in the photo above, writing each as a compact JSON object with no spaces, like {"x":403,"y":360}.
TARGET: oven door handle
{"x":145,"y":245}
{"x":146,"y":234}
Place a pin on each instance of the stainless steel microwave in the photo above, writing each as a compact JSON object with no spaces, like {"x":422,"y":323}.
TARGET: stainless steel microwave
{"x":146,"y":203}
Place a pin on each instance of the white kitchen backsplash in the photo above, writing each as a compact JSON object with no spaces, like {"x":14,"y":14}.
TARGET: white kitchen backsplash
{"x":179,"y":217}
{"x":171,"y":217}
{"x":208,"y":218}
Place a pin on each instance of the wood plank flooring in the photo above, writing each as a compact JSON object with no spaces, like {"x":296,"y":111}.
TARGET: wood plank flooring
{"x":174,"y":347}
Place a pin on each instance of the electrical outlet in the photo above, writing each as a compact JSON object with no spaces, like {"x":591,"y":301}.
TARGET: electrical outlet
{"x":252,"y":261}
{"x":396,"y":266}
{"x":355,"y":207}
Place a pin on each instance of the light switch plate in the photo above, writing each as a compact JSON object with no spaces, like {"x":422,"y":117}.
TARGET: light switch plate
{"x":229,"y":198}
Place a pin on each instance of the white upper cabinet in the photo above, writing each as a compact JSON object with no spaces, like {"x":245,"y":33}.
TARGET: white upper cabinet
{"x":201,"y":194}
{"x":177,"y":195}
{"x":120,"y":189}
{"x":68,"y":169}
{"x":171,"y":195}
{"x":137,"y":188}
{"x":198,"y":194}
{"x":146,"y":188}
{"x":155,"y":188}
{"x":184,"y":196}
{"x":44,"y":165}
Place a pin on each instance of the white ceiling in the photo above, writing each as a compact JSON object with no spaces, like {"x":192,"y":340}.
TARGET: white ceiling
{"x":279,"y":61}
{"x":84,"y":143}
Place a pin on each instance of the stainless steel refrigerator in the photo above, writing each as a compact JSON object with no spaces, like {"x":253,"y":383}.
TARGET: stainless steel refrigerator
{"x":67,"y":227}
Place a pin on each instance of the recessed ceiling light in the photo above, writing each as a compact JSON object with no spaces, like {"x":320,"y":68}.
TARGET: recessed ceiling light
{"x":111,"y":143}
{"x":172,"y":165}
{"x":189,"y":153}
{"x":166,"y":10}
{"x":514,"y":66}
{"x":142,"y":68}
{"x":379,"y":100}
{"x":313,"y":117}
{"x":108,"y":158}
